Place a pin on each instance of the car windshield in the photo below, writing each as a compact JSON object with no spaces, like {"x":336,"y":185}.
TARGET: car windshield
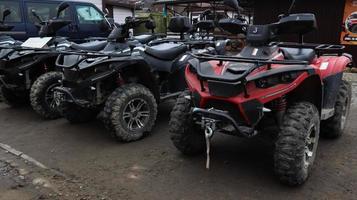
{"x":45,"y":11}
{"x":88,"y":15}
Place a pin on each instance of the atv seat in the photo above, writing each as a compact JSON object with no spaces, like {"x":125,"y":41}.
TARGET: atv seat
{"x":299,"y":54}
{"x":166,"y":51}
{"x":90,"y":46}
{"x":144,"y":39}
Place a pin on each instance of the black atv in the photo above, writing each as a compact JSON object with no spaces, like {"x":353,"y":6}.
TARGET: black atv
{"x":21,"y":65}
{"x":5,"y":40}
{"x":128,"y":84}
{"x":41,"y":94}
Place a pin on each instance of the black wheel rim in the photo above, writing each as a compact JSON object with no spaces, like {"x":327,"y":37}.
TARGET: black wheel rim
{"x":136,"y":114}
{"x":50,"y":97}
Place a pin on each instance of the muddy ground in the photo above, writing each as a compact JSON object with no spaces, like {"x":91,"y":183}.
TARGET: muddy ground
{"x":86,"y":163}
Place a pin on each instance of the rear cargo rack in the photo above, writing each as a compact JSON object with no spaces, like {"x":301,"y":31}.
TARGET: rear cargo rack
{"x":321,"y":49}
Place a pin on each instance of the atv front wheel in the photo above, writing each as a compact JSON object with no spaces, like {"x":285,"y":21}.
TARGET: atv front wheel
{"x":107,"y":110}
{"x":13,"y":98}
{"x":76,"y":114}
{"x":185,"y":135}
{"x":295,"y":148}
{"x":335,"y":126}
{"x":134,"y":112}
{"x":42,"y":95}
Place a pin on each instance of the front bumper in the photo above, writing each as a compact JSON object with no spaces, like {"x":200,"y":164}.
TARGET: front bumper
{"x":13,"y":81}
{"x":75,"y":96}
{"x":218,"y":116}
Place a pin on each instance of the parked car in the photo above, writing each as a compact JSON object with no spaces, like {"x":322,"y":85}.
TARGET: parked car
{"x":87,"y":19}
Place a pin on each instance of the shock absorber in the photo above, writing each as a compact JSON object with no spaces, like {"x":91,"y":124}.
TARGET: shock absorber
{"x":279,"y":106}
{"x":120,"y":80}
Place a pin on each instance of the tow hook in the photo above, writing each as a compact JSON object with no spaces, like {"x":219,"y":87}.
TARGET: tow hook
{"x":210,"y":127}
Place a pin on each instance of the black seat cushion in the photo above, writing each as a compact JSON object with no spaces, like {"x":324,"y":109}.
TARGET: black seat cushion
{"x":299,"y":54}
{"x":90,"y":46}
{"x":205,"y":25}
{"x":144,"y":39}
{"x":180,"y":24}
{"x":166,"y":51}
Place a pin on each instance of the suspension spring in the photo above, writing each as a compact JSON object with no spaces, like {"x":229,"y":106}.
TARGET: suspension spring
{"x":120,"y":80}
{"x":279,"y":104}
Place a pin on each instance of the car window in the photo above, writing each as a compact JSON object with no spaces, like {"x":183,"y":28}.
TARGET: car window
{"x":88,"y":15}
{"x":45,"y":11}
{"x":14,"y":7}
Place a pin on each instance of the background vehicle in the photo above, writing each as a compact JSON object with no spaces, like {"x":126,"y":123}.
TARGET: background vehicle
{"x":296,"y":88}
{"x":86,"y":19}
{"x":21,"y":65}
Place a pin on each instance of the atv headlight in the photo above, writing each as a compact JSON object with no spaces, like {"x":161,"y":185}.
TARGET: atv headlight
{"x":282,"y":78}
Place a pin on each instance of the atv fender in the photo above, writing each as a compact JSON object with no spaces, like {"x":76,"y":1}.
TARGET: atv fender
{"x":331,"y":70}
{"x":331,"y":65}
{"x":309,"y":90}
{"x":128,"y":68}
{"x":36,"y":59}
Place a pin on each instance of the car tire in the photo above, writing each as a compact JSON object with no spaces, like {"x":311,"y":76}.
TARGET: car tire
{"x":296,"y":145}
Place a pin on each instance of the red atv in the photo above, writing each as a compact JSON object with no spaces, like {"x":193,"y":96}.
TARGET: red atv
{"x":295,"y":87}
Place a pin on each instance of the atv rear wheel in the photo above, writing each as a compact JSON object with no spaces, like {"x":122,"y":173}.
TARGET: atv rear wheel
{"x":76,"y":114}
{"x":185,"y":135}
{"x":13,"y":98}
{"x":295,"y":148}
{"x":42,"y":95}
{"x":335,"y":126}
{"x":134,"y":112}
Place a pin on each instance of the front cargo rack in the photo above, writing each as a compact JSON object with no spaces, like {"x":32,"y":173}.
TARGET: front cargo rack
{"x":240,"y":81}
{"x":258,"y":63}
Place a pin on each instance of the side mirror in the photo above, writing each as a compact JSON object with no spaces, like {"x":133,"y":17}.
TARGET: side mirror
{"x":233,"y":4}
{"x":6,"y":13}
{"x":106,"y":12}
{"x":63,"y":6}
{"x":107,"y":24}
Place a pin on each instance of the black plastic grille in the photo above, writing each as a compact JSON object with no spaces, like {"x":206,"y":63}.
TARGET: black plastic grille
{"x":225,"y":106}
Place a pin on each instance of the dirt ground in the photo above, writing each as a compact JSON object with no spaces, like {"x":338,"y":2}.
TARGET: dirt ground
{"x":86,"y":163}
